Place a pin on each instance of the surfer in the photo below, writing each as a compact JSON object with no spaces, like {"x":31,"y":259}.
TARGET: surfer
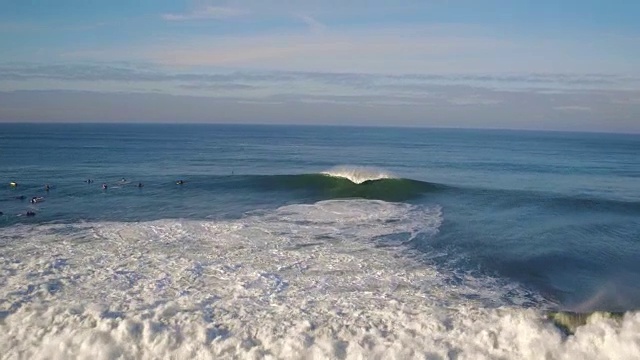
{"x":21,"y":197}
{"x":36,"y":199}
{"x":30,"y":213}
{"x":46,"y":188}
{"x":180,"y":182}
{"x":13,"y":184}
{"x":88,"y":181}
{"x":123,"y":180}
{"x":104,"y":186}
{"x":140,"y":185}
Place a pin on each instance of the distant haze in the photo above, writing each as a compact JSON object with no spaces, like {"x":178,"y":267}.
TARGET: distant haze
{"x":547,"y":65}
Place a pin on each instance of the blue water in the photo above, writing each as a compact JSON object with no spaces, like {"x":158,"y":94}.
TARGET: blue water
{"x":558,"y":213}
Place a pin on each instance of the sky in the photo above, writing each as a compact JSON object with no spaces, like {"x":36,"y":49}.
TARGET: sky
{"x":544,"y":65}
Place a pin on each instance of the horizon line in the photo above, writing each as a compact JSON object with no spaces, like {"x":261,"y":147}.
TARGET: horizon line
{"x":374,"y":126}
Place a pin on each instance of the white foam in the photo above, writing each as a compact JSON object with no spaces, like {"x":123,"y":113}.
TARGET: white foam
{"x":358,"y":174}
{"x":300,"y":282}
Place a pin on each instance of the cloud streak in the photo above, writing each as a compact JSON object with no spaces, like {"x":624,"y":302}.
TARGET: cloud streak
{"x":390,"y":48}
{"x":393,"y":82}
{"x":516,"y":111}
{"x":218,"y":87}
{"x":130,"y":91}
{"x":206,"y":13}
{"x":313,"y":24}
{"x":382,"y":50}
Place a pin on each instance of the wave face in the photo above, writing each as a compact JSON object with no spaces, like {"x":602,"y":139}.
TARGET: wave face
{"x":326,"y":186}
{"x":333,"y":279}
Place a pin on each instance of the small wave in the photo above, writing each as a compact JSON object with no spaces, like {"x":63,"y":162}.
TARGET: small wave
{"x":510,"y":198}
{"x":358,"y":174}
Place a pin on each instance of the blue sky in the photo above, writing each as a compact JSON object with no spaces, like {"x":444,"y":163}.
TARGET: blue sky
{"x":557,"y":65}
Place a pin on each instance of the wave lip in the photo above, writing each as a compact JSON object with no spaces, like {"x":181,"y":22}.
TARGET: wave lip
{"x":358,"y":174}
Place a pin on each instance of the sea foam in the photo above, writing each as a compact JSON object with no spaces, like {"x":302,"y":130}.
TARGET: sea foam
{"x":327,"y":280}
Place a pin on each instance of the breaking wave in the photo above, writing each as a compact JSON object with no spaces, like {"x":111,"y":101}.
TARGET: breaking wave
{"x":358,"y":174}
{"x":344,"y":182}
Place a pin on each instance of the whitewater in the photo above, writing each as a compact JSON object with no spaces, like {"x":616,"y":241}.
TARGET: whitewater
{"x":358,"y":174}
{"x":302,"y":281}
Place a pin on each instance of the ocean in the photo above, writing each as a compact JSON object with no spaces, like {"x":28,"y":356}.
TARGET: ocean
{"x":309,"y":242}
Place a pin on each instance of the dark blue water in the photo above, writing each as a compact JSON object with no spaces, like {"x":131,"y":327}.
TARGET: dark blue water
{"x":558,"y":213}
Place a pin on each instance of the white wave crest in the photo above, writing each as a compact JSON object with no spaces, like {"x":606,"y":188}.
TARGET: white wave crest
{"x":358,"y":174}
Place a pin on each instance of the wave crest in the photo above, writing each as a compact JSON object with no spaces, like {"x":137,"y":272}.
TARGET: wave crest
{"x":325,"y":186}
{"x":358,"y":174}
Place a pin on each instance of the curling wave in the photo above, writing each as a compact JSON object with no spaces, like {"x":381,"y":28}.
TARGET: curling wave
{"x":325,"y":186}
{"x":358,"y":174}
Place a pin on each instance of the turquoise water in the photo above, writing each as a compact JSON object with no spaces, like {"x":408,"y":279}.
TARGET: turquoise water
{"x":538,"y":220}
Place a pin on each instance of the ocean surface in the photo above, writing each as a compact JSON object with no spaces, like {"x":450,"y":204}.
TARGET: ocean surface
{"x":317,"y":242}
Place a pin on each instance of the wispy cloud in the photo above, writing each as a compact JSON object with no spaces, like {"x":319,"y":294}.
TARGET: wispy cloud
{"x":517,"y":111}
{"x":19,"y":27}
{"x":406,"y":49}
{"x":369,"y":48}
{"x":218,"y":87}
{"x":117,"y":92}
{"x":406,"y":83}
{"x":474,"y":100}
{"x":78,"y":72}
{"x":313,"y":24}
{"x":206,"y":13}
{"x":574,"y":108}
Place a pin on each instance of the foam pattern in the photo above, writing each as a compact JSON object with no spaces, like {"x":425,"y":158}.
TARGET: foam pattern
{"x":331,"y":280}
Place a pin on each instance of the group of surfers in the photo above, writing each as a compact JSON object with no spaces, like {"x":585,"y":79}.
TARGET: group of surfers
{"x":38,"y":199}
